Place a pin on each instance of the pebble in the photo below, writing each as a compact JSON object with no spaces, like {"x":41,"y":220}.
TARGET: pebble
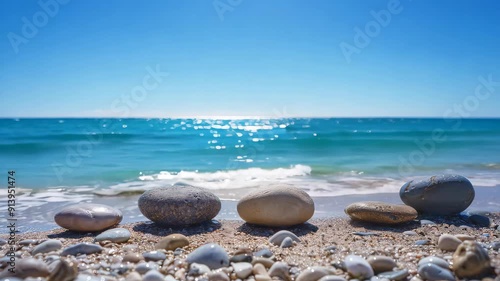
{"x":27,"y":267}
{"x":199,"y":269}
{"x":179,"y":205}
{"x":360,"y":233}
{"x":422,"y":242}
{"x":27,"y":242}
{"x":332,"y":278}
{"x":133,"y":276}
{"x":218,"y":276}
{"x":2,"y":241}
{"x":242,"y":269}
{"x":63,"y":270}
{"x":115,"y":235}
{"x":439,"y":195}
{"x":47,"y":246}
{"x":434,"y":260}
{"x":172,"y":242}
{"x":276,"y":205}
{"x":358,"y":267}
{"x":280,"y":270}
{"x":144,"y":267}
{"x":427,"y":222}
{"x":86,"y":217}
{"x":241,"y":258}
{"x":279,"y":236}
{"x":264,"y":261}
{"x":410,"y":233}
{"x":480,"y":220}
{"x":133,"y":258}
{"x":463,"y":237}
{"x":154,"y":256}
{"x":287,"y":243}
{"x":432,"y":272}
{"x":470,"y":260}
{"x":394,"y":275}
{"x":313,"y":273}
{"x":153,"y":275}
{"x":447,"y":242}
{"x":81,"y":248}
{"x":381,"y":263}
{"x":380,"y":212}
{"x":211,"y":255}
{"x":266,"y":253}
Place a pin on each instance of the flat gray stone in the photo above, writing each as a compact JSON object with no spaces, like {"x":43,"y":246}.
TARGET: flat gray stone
{"x":87,"y":217}
{"x":81,"y":248}
{"x":47,"y":246}
{"x":115,"y":235}
{"x":433,"y":272}
{"x":179,"y":205}
{"x":439,"y":195}
{"x":211,"y":255}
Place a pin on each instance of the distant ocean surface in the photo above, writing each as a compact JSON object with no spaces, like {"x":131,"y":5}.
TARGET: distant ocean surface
{"x":59,"y":161}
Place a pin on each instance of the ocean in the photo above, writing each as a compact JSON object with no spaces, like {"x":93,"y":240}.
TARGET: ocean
{"x":60,"y":161}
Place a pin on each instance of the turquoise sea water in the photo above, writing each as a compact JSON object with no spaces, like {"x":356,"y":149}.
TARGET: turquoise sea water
{"x":324,"y":156}
{"x":112,"y":161}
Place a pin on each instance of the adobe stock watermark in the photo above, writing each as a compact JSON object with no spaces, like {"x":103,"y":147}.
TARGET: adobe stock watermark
{"x":120,"y":107}
{"x":31,"y":26}
{"x":363,"y":36}
{"x":427,"y":147}
{"x":223,"y":6}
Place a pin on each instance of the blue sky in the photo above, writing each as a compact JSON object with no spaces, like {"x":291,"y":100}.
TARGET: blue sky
{"x":250,"y":58}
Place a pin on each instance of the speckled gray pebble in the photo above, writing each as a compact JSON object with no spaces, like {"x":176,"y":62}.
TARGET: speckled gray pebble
{"x":179,"y":205}
{"x":211,"y":255}
{"x":154,"y":256}
{"x":47,"y":246}
{"x":395,"y":275}
{"x":432,"y":272}
{"x":439,"y":195}
{"x":116,"y":235}
{"x":279,"y":236}
{"x":81,"y":248}
{"x":286,"y":243}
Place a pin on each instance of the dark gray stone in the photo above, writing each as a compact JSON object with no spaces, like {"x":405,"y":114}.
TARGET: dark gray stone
{"x":433,"y":272}
{"x":241,"y":258}
{"x":439,"y":195}
{"x":179,"y":205}
{"x":154,"y":256}
{"x":266,"y":253}
{"x":395,"y":275}
{"x":81,"y":248}
{"x":480,"y":220}
{"x":116,"y":235}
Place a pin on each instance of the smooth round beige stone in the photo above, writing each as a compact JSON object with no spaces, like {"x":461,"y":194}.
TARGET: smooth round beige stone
{"x":381,"y":264}
{"x":380,"y":212}
{"x":86,"y":217}
{"x":276,"y":205}
{"x":172,"y":242}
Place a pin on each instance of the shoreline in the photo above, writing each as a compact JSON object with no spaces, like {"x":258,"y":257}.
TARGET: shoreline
{"x":486,"y":200}
{"x":316,"y":237}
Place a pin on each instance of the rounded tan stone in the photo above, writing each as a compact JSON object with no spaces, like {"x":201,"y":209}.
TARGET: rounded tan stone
{"x":88,"y":217}
{"x":172,"y":242}
{"x":276,"y":205}
{"x":380,"y":212}
{"x":470,"y":260}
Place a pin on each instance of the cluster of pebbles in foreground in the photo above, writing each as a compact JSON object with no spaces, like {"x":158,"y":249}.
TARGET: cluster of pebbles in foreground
{"x":326,"y":250}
